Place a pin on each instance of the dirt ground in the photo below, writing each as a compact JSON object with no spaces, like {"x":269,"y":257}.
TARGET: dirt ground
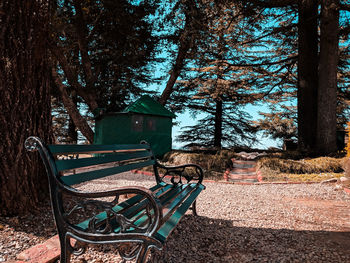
{"x":236,"y":223}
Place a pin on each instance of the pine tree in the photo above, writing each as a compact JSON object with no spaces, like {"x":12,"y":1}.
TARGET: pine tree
{"x":216,"y":83}
{"x":310,"y":91}
{"x":102,"y":50}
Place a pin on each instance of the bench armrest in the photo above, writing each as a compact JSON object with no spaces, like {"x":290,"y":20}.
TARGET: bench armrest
{"x":191,"y":172}
{"x":103,"y":216}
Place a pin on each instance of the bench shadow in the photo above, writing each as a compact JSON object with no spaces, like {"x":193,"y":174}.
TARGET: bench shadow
{"x":204,"y":239}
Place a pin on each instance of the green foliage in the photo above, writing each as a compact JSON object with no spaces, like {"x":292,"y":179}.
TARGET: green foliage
{"x":279,"y":124}
{"x":102,"y":52}
{"x":116,"y":38}
{"x":236,"y":130}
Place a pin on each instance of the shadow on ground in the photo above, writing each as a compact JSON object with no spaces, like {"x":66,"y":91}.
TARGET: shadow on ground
{"x":203,"y":239}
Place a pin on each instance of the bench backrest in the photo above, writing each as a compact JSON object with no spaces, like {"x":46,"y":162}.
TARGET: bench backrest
{"x":74,"y":164}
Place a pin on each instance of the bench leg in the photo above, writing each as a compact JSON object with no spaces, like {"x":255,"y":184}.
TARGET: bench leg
{"x":142,"y":254}
{"x":193,"y":208}
{"x":65,"y":252}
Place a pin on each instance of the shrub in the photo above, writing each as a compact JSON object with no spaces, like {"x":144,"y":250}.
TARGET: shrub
{"x":347,"y":147}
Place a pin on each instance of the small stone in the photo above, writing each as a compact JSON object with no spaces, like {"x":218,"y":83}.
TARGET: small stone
{"x":332,"y":180}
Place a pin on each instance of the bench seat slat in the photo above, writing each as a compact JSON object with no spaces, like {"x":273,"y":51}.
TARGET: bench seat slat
{"x":170,"y":206}
{"x":171,"y":218}
{"x":164,"y":197}
{"x":172,"y":194}
{"x":127,"y":203}
{"x":94,"y":148}
{"x":134,"y":208}
{"x":133,"y":212}
{"x":97,"y":174}
{"x":136,"y":211}
{"x":84,"y":162}
{"x":170,"y":224}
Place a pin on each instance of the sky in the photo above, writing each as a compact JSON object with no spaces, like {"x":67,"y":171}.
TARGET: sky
{"x":186,"y":119}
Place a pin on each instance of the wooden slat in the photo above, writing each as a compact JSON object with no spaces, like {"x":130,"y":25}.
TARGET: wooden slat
{"x":175,"y":196}
{"x":179,"y":198}
{"x":120,"y":207}
{"x":92,"y":175}
{"x":133,"y":212}
{"x":170,"y":224}
{"x":172,"y":194}
{"x":134,"y":208}
{"x":94,"y":148}
{"x":84,"y":162}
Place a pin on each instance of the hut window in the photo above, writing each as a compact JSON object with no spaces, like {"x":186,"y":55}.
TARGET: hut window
{"x":137,"y":123}
{"x":151,"y":125}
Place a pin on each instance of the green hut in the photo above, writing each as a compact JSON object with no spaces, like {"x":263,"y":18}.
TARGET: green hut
{"x":145,"y":119}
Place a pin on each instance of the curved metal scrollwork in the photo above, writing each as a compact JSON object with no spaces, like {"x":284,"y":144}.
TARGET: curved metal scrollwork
{"x":190,"y":172}
{"x":129,"y":251}
{"x":114,"y":222}
{"x":31,"y":144}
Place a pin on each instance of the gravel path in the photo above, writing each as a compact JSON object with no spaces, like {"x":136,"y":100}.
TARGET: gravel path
{"x":236,"y":223}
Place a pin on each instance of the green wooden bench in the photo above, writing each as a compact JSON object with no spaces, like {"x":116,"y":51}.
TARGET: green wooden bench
{"x":135,"y":218}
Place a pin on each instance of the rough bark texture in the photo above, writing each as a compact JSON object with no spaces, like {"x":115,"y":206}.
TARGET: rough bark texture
{"x":307,"y":74}
{"x":328,"y":66}
{"x":72,"y":132}
{"x":24,"y":102}
{"x":186,"y":42}
{"x":72,"y":77}
{"x":218,"y":124}
{"x":83,"y":45}
{"x":176,"y":70}
{"x":72,"y":109}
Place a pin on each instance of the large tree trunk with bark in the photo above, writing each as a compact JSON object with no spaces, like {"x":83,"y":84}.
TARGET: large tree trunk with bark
{"x":307,"y":74}
{"x":24,"y":102}
{"x":328,"y":66}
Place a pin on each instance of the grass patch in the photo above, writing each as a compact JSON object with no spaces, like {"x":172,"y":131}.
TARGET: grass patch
{"x":276,"y":166}
{"x":315,"y":165}
{"x":214,"y":163}
{"x":284,"y":177}
{"x":211,"y":161}
{"x":304,"y":170}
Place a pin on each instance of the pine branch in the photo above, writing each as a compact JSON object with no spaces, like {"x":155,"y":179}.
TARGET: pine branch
{"x":83,"y":45}
{"x":273,"y":3}
{"x":345,"y":7}
{"x":72,"y":76}
{"x":263,"y":63}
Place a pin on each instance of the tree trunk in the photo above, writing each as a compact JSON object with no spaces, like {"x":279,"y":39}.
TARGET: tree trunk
{"x":176,"y":70}
{"x":186,"y":42}
{"x":72,"y":132}
{"x":307,"y":74}
{"x":328,"y":66}
{"x":218,"y":124}
{"x":72,"y":110}
{"x":24,"y":103}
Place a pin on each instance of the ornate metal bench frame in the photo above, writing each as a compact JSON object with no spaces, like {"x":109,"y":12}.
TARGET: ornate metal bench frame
{"x":111,"y":224}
